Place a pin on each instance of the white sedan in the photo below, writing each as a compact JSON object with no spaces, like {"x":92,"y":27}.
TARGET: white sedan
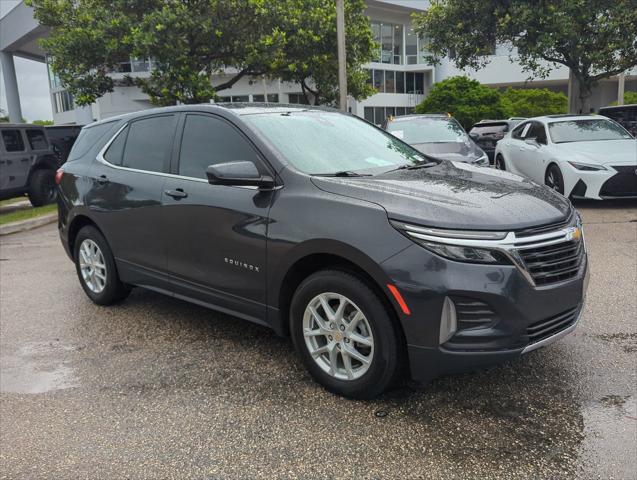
{"x":581,"y":156}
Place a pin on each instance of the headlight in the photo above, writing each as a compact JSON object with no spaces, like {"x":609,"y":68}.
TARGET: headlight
{"x":449,"y":243}
{"x":586,"y":167}
{"x":483,"y":160}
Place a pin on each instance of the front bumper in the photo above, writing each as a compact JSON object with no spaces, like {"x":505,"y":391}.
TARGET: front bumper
{"x":615,"y":182}
{"x":517,"y":317}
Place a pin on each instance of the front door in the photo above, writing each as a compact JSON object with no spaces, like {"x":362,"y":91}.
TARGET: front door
{"x":532,"y":154}
{"x":215,"y":235}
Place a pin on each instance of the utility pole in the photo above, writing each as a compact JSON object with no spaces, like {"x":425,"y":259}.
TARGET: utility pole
{"x":342,"y":65}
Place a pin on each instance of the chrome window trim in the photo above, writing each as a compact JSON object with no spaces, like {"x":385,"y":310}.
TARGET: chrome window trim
{"x":510,"y":245}
{"x":100,"y":158}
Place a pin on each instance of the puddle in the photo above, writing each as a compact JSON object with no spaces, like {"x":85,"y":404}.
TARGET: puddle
{"x":610,"y":427}
{"x":38,"y":367}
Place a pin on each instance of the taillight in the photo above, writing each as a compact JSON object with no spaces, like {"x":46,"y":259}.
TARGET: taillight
{"x":58,"y":176}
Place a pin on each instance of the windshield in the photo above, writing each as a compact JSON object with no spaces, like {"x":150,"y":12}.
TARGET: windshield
{"x":586,"y":131}
{"x":319,"y":142}
{"x":427,"y":130}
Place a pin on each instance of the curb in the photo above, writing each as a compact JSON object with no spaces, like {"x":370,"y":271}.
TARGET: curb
{"x":29,"y":224}
{"x":13,"y":207}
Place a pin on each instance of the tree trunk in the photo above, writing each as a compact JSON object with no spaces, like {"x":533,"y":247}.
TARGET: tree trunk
{"x":579,"y":93}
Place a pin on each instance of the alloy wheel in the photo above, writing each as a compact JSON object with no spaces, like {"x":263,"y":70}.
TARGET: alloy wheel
{"x":92,"y":266}
{"x":338,"y":336}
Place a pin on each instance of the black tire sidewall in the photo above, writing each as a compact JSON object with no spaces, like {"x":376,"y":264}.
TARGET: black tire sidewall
{"x":114,"y":290}
{"x":39,"y":186}
{"x":558,"y":176}
{"x":385,"y":363}
{"x":499,"y":160}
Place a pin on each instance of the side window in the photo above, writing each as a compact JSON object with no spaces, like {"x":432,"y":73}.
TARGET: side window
{"x":115,"y":151}
{"x":538,"y":132}
{"x":37,"y":140}
{"x":149,"y":143}
{"x":210,"y":140}
{"x":12,"y":140}
{"x":517,"y":132}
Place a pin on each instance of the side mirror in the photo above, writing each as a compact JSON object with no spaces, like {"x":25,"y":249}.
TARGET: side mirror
{"x":532,"y":141}
{"x":240,"y":173}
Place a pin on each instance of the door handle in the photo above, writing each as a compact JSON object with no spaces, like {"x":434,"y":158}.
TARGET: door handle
{"x":102,"y":179}
{"x":177,"y":193}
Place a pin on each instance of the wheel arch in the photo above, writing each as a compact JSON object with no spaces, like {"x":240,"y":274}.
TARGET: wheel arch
{"x":77,"y":223}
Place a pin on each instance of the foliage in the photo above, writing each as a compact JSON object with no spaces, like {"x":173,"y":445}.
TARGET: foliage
{"x":42,"y":122}
{"x":19,"y":215}
{"x":595,"y":39}
{"x":630,"y":98}
{"x":190,"y":41}
{"x":533,"y":102}
{"x":467,"y":100}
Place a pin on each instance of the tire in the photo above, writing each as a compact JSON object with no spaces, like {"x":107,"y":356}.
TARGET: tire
{"x":42,"y":189}
{"x":499,"y":163}
{"x":91,"y":248}
{"x":554,"y":179}
{"x":374,"y":327}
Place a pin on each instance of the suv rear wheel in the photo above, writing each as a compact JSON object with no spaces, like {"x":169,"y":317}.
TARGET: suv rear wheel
{"x":42,"y":189}
{"x":96,"y":268}
{"x":344,"y":335}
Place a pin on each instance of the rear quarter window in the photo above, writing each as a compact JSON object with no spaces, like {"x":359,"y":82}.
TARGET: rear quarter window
{"x":12,"y":140}
{"x":37,"y":139}
{"x":89,"y":137}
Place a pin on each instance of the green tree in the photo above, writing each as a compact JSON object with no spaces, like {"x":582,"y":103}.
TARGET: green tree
{"x":42,"y":122}
{"x":467,"y":100}
{"x":191,"y":41}
{"x":595,"y":39}
{"x":533,"y":102}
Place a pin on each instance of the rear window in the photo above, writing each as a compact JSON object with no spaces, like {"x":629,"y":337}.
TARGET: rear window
{"x":12,"y":140}
{"x":88,"y":137}
{"x":37,"y":139}
{"x":148,"y":143}
{"x":486,"y":128}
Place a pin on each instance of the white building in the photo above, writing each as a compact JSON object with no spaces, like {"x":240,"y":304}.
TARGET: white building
{"x":400,"y":73}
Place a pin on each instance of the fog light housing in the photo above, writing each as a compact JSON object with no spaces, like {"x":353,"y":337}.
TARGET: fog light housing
{"x":448,"y":321}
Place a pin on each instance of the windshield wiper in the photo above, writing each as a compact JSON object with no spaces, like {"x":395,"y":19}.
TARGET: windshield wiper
{"x":343,"y":173}
{"x":408,"y":166}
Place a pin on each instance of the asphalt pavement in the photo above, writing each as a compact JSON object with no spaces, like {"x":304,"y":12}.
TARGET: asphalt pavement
{"x":158,"y":388}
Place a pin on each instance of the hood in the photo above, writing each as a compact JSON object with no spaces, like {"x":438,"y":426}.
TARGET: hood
{"x":466,"y":151}
{"x":605,"y":152}
{"x":456,"y":195}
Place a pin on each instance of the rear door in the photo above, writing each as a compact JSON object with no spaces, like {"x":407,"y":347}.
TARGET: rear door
{"x":16,"y":160}
{"x":126,"y":194}
{"x":215,"y":235}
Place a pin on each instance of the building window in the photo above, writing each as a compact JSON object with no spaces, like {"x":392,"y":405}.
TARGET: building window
{"x":379,"y":80}
{"x":297,"y":98}
{"x":414,"y":48}
{"x":378,"y":115}
{"x":390,"y":81}
{"x":133,"y":64}
{"x":389,"y":36}
{"x":62,"y":102}
{"x":272,"y":98}
{"x":54,"y":79}
{"x":234,"y":99}
{"x":390,"y":86}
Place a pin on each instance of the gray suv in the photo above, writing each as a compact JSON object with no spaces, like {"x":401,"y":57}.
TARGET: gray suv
{"x":27,"y":164}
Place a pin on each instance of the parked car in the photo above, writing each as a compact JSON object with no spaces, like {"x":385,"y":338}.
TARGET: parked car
{"x":62,"y":138}
{"x":439,"y":136}
{"x":625,"y":115}
{"x":377,"y":260}
{"x":27,"y":164}
{"x":582,"y":156}
{"x":486,"y":133}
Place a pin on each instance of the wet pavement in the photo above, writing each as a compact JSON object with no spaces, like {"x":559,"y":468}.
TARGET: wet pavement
{"x":158,"y":388}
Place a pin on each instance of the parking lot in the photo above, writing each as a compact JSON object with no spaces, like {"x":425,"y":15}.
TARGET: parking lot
{"x":158,"y":388}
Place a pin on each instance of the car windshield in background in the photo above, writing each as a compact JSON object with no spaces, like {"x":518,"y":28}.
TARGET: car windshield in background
{"x":487,"y":128}
{"x":318,"y":142}
{"x":586,"y":131}
{"x":427,"y":130}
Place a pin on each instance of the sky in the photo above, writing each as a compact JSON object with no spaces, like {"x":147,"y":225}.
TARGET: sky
{"x":33,"y":82}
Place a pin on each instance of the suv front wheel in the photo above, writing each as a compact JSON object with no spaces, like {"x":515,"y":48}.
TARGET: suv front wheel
{"x":344,"y":335}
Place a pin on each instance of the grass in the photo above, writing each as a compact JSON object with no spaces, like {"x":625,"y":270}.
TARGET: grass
{"x":13,"y":200}
{"x":27,"y":213}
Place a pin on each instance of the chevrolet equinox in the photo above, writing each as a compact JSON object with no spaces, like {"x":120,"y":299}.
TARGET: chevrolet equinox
{"x":376,"y":259}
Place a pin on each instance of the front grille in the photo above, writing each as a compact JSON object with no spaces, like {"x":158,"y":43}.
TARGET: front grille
{"x":622,"y":184}
{"x":548,"y":327}
{"x":553,"y":263}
